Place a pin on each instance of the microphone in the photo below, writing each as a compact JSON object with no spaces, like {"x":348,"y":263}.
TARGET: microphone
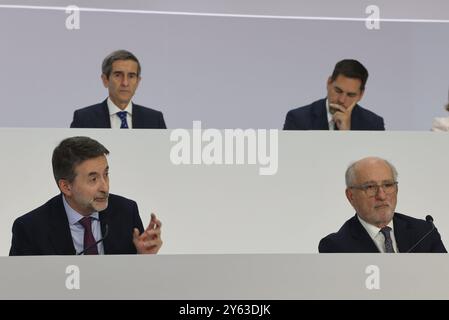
{"x":106,"y":231}
{"x":430,"y":220}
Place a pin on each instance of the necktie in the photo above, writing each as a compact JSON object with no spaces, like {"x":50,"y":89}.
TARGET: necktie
{"x":122,"y":116}
{"x":388,"y":243}
{"x":89,"y":240}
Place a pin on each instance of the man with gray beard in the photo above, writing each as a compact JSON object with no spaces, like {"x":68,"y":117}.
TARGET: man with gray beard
{"x":372,"y":189}
{"x":84,"y":218}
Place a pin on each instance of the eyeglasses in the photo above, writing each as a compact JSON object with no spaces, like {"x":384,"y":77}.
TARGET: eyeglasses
{"x":372,"y":189}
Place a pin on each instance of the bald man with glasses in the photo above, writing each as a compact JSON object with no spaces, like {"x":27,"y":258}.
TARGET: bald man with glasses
{"x":372,"y":189}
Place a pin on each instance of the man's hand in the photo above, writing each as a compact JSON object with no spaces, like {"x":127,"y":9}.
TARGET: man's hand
{"x":342,"y":115}
{"x":149,"y":242}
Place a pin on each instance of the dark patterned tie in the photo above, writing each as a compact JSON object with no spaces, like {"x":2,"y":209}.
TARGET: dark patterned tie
{"x":388,"y":243}
{"x":122,"y":116}
{"x":89,"y":240}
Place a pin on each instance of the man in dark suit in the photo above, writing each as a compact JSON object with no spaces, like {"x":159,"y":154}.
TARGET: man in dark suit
{"x":339,"y":111}
{"x":371,"y":188}
{"x":85,"y":217}
{"x":121,"y":76}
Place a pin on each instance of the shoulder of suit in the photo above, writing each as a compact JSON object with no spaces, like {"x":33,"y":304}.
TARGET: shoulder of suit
{"x":40,"y":211}
{"x":344,"y":229}
{"x":309,"y":107}
{"x":92,"y":108}
{"x":367,"y":113}
{"x":117,"y":198}
{"x":145,"y":109}
{"x":409,"y":219}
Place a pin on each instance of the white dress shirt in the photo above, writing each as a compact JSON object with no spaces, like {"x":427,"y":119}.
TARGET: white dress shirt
{"x":377,"y":236}
{"x":116,"y":122}
{"x":330,"y":121}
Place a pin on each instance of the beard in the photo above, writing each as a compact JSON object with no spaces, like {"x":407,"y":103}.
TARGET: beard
{"x":96,"y":204}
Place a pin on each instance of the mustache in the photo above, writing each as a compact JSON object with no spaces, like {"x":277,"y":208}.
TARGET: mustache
{"x":102,"y":195}
{"x":380,"y":205}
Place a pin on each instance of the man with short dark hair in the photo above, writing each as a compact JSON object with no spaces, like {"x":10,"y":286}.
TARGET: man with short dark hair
{"x":372,"y":189}
{"x":84,"y":218}
{"x":339,"y":111}
{"x":121,"y":76}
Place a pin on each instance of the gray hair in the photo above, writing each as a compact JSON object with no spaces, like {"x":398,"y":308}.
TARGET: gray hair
{"x":106,"y":66}
{"x":350,"y":175}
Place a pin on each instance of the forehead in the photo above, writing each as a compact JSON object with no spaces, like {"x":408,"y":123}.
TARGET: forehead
{"x":376,"y":171}
{"x":94,"y":165}
{"x":347,"y":84}
{"x":125,"y":66}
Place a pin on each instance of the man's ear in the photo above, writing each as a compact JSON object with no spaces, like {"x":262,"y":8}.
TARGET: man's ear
{"x":105,"y":80}
{"x":349,"y":195}
{"x":65,"y":186}
{"x":361,"y":95}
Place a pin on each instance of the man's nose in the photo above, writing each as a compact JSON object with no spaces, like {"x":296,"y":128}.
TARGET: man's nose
{"x":104,"y":185}
{"x":341,"y":98}
{"x":380,"y":194}
{"x":125,"y":81}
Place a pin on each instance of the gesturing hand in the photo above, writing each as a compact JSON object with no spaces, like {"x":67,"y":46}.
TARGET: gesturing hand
{"x":149,"y":242}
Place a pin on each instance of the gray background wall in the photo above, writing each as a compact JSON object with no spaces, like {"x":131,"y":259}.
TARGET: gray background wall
{"x":231,"y":208}
{"x":226,"y":71}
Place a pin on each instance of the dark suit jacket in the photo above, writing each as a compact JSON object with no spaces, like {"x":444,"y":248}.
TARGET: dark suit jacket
{"x":46,"y":231}
{"x":352,"y":237}
{"x":314,"y":117}
{"x":97,"y":116}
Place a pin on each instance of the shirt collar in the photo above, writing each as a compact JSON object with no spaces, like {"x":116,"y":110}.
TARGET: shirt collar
{"x":113,"y":109}
{"x":73,"y":215}
{"x":329,"y":116}
{"x":372,"y":230}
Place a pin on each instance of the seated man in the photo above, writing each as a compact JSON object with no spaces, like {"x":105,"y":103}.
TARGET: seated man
{"x":85,"y":218}
{"x":372,"y":189}
{"x":121,"y":76}
{"x":339,"y":111}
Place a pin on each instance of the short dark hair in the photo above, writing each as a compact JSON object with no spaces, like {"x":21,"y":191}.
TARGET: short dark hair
{"x":71,"y":152}
{"x":106,"y":66}
{"x":351,"y":69}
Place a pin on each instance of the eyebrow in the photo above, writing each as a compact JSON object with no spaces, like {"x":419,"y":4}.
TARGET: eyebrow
{"x":123,"y":72}
{"x":347,"y":92}
{"x":94,"y":173}
{"x":375,"y":182}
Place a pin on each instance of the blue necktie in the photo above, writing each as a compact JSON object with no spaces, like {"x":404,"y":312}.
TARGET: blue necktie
{"x":122,"y":116}
{"x":388,"y":242}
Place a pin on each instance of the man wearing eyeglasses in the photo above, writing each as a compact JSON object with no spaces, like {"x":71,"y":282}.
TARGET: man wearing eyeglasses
{"x":372,"y":189}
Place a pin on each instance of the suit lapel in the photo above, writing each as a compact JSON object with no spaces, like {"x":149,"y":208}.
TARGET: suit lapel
{"x":60,"y":236}
{"x":319,"y":120}
{"x":104,"y":119}
{"x":105,"y":221}
{"x":355,"y":118}
{"x":402,"y":234}
{"x":137,"y":118}
{"x":362,"y":240}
